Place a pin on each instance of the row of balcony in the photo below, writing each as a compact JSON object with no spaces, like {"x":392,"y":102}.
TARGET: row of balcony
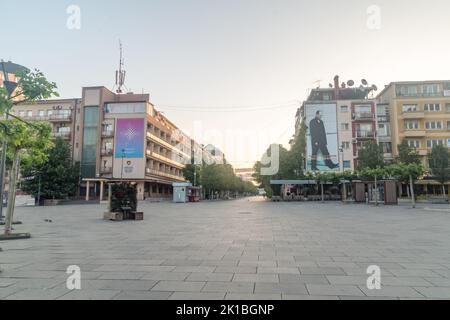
{"x":109,"y":170}
{"x":164,"y":159}
{"x":52,"y":118}
{"x":152,"y":136}
{"x":63,"y":135}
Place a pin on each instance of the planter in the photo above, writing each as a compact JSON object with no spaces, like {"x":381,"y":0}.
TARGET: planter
{"x":51,"y":202}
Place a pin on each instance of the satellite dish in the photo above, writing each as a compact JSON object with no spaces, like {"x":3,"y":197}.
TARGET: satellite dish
{"x":374,"y":88}
{"x":364,"y":82}
{"x":350,"y":83}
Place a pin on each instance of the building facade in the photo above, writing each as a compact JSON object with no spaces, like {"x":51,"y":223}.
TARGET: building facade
{"x":419,"y":113}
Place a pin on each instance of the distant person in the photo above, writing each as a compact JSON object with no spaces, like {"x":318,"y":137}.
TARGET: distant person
{"x":319,"y":142}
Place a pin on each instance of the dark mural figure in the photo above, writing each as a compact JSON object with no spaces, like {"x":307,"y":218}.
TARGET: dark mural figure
{"x":319,"y":142}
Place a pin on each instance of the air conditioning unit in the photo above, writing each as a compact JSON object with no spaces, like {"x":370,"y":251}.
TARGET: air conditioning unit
{"x":354,"y":141}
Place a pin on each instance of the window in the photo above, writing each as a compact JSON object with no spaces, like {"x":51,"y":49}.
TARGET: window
{"x":432,"y":107}
{"x":42,"y":113}
{"x":64,"y":129}
{"x":345,"y":126}
{"x":21,"y":113}
{"x":447,"y":107}
{"x":384,"y":129}
{"x":411,"y":125}
{"x":409,"y":107}
{"x":347,"y":164}
{"x":408,"y":91}
{"x":386,"y":147}
{"x":346,"y":145}
{"x":448,"y":125}
{"x":344,"y":109}
{"x":29,"y":113}
{"x":414,"y":144}
{"x":430,"y":89}
{"x":50,"y":112}
{"x":433,"y":125}
{"x":433,"y":143}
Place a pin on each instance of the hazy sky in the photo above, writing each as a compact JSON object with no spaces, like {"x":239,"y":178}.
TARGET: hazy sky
{"x":201,"y":60}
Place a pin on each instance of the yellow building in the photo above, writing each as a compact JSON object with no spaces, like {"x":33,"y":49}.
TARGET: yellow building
{"x":420,"y":113}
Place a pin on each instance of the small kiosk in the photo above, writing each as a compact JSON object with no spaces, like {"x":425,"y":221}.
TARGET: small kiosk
{"x":184,"y":192}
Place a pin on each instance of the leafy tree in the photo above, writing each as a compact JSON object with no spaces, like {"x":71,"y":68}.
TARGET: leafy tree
{"x":439,"y":160}
{"x":370,"y":156}
{"x":58,"y":176}
{"x":193,"y":174}
{"x":407,"y":154}
{"x":407,"y":172}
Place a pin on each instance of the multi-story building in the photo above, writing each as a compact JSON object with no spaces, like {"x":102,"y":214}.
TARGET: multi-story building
{"x":356,"y":119}
{"x":420,"y":113}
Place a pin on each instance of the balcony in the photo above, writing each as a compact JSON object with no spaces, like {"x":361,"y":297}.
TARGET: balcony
{"x":107,"y":152}
{"x":62,"y":135}
{"x":365,"y":134}
{"x":363,"y":116}
{"x":413,"y":115}
{"x":164,"y":159}
{"x":106,"y":170}
{"x":153,"y":137}
{"x":108,"y":134}
{"x":163,"y":174}
{"x":414,"y":133}
{"x":60,"y":117}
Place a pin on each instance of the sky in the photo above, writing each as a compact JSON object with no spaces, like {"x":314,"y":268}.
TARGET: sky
{"x":230,"y":72}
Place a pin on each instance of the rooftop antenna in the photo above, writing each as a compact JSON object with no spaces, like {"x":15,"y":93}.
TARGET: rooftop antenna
{"x":120,"y":74}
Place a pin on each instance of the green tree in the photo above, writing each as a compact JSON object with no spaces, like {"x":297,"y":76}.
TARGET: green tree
{"x":407,"y":172}
{"x":440,"y":165}
{"x":407,"y":154}
{"x":25,"y":142}
{"x":370,"y":156}
{"x":58,"y":175}
{"x":193,"y":174}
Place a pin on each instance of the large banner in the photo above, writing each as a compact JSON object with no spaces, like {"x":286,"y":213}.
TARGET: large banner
{"x":130,"y":138}
{"x":322,"y":137}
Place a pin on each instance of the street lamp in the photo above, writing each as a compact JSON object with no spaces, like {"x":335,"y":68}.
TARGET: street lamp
{"x":121,"y":171}
{"x":341,"y":149}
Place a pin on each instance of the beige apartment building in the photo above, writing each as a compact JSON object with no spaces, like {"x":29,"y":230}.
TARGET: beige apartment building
{"x":419,"y":113}
{"x":119,"y":137}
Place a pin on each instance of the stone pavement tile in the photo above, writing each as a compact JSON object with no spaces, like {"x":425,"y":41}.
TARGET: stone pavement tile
{"x":287,"y":288}
{"x":133,"y":268}
{"x":322,"y":271}
{"x":255,"y":297}
{"x":7,"y":291}
{"x":392,"y":291}
{"x":307,"y":297}
{"x":200,"y":269}
{"x":410,"y":265}
{"x":415,"y":273}
{"x":29,"y":274}
{"x":244,"y":263}
{"x":182,"y":296}
{"x":310,"y":279}
{"x":278,"y":270}
{"x":333,"y":290}
{"x":335,"y":264}
{"x":85,"y":275}
{"x":37,"y":294}
{"x":142,"y":295}
{"x":246,"y":277}
{"x":90,"y":295}
{"x":232,"y":287}
{"x":210,"y":277}
{"x":121,"y":275}
{"x":436,"y":292}
{"x":439,"y":282}
{"x":235,"y":270}
{"x":166,"y":276}
{"x":444,"y":273}
{"x":40,"y":283}
{"x":406,"y":281}
{"x":350,"y":280}
{"x":128,"y":285}
{"x":304,"y":264}
{"x":367,"y":298}
{"x":363,"y":272}
{"x":220,"y":263}
{"x":179,"y":286}
{"x":181,"y":263}
{"x":7,"y":282}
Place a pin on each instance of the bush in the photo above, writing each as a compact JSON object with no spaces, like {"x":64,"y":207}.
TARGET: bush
{"x":123,"y":195}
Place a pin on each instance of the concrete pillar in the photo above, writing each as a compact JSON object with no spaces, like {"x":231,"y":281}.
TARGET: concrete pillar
{"x":87,"y":190}
{"x":140,"y":191}
{"x":101,"y":191}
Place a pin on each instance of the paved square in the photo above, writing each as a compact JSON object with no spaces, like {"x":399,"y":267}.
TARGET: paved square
{"x":243,"y":249}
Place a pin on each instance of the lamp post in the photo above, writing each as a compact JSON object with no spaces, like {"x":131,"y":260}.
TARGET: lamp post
{"x":341,"y":149}
{"x":121,"y":171}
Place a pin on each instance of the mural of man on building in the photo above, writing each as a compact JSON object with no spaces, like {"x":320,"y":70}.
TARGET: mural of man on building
{"x":319,"y":142}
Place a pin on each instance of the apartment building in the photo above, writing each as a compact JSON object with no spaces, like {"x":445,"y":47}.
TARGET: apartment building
{"x":419,"y":113}
{"x":352,"y":120}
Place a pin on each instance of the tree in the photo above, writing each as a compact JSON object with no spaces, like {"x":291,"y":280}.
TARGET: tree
{"x":193,"y":174}
{"x":370,"y":156}
{"x":407,"y":154}
{"x":56,"y":178}
{"x":407,"y":172}
{"x":28,"y":143}
{"x":440,"y":165}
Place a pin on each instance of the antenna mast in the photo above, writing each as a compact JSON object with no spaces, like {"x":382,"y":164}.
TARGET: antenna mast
{"x":120,"y":74}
